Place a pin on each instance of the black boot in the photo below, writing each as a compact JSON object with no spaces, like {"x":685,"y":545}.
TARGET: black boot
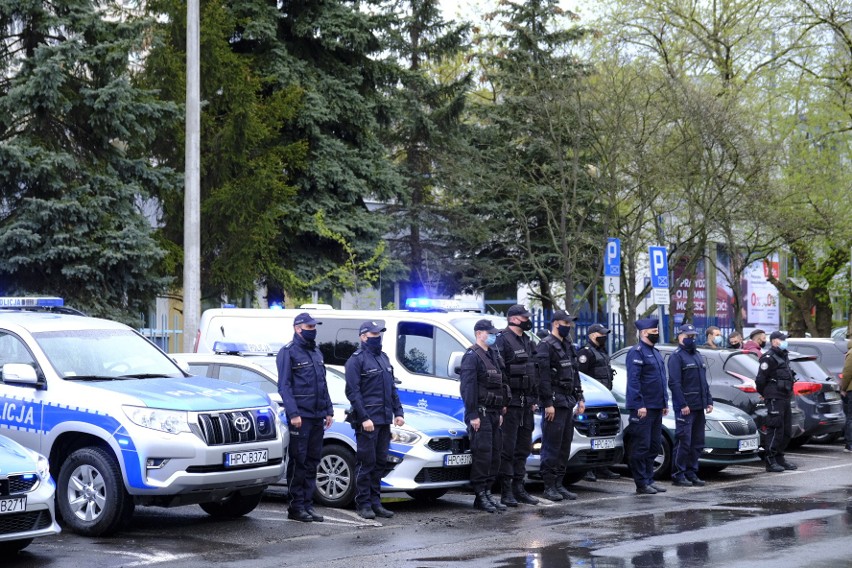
{"x":590,"y":475}
{"x":521,"y":494}
{"x":772,"y":466}
{"x":494,"y":501}
{"x":550,"y":491}
{"x":560,"y":486}
{"x":782,"y":461}
{"x":483,"y":503}
{"x":507,"y":496}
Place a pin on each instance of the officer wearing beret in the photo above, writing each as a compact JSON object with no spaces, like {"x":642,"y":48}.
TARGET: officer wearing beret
{"x":593,"y":360}
{"x":371,"y":390}
{"x":560,"y":391}
{"x":485,"y":393}
{"x":648,"y":402}
{"x":518,"y":353}
{"x":774,"y":382}
{"x":690,"y":398}
{"x":303,"y":388}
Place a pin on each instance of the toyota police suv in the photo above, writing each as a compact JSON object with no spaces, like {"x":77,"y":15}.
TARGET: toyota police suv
{"x":123,"y":425}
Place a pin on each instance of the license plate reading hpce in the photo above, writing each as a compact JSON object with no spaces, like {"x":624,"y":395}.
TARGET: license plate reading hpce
{"x":452,"y":460}
{"x":746,"y":445}
{"x":250,"y":457}
{"x":603,"y":444}
{"x":11,"y":506}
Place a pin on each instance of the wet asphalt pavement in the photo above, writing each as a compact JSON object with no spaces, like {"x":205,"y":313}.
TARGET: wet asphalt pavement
{"x":743,"y":517}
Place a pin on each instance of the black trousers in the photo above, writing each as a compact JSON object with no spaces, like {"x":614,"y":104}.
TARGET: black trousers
{"x":305,"y":452}
{"x":372,"y":461}
{"x":645,"y":444}
{"x":556,"y":438}
{"x":485,"y":446}
{"x":517,"y":441}
{"x":779,"y":427}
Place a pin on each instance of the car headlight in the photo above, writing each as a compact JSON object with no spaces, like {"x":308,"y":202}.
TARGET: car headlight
{"x":714,"y":425}
{"x":42,"y":468}
{"x":169,"y":421}
{"x":403,"y":436}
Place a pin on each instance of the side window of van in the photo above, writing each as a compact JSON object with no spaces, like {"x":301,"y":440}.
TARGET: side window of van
{"x":425,"y":349}
{"x":338,"y":339}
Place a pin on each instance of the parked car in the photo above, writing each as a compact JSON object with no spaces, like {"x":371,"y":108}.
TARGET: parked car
{"x":818,"y":395}
{"x":731,"y":374}
{"x":730,"y":436}
{"x":26,"y":498}
{"x":828,"y":352}
{"x":428,"y":456}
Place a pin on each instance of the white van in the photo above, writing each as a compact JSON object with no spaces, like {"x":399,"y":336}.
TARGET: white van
{"x":425,"y":347}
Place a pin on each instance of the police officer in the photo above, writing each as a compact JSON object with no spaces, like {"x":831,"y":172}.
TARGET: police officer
{"x":303,"y":388}
{"x":690,"y":398}
{"x":371,"y":390}
{"x":774,"y":382}
{"x":559,"y":390}
{"x":517,"y":351}
{"x":485,"y":394}
{"x":648,"y":402}
{"x":593,"y":360}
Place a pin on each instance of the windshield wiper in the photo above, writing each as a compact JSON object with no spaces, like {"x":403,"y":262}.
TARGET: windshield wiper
{"x":89,"y":378}
{"x":147,"y":376}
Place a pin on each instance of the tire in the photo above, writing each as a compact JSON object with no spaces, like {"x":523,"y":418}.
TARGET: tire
{"x":427,"y":496}
{"x":336,"y":477}
{"x":798,"y":442}
{"x":829,"y":438}
{"x":663,"y":462}
{"x":234,"y":506}
{"x":14,"y":546}
{"x":90,"y":493}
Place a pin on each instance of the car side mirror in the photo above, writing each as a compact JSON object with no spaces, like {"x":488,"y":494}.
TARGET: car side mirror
{"x":19,"y":374}
{"x":454,"y":364}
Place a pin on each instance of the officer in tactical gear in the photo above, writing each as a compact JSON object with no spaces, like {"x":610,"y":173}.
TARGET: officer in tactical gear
{"x":485,"y":393}
{"x":560,"y":391}
{"x":593,"y":360}
{"x":518,"y":354}
{"x":774,"y":382}
{"x":371,"y":390}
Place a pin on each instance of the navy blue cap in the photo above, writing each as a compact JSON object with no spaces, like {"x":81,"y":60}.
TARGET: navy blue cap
{"x":597,"y":328}
{"x":305,"y":318}
{"x":647,"y":323}
{"x":777,"y":335}
{"x":370,"y":327}
{"x":485,"y":325}
{"x":562,"y":315}
{"x":687,"y":329}
{"x":518,"y":310}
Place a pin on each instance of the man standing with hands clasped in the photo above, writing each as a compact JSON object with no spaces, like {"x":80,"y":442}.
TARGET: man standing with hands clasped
{"x":690,"y":398}
{"x":371,"y":390}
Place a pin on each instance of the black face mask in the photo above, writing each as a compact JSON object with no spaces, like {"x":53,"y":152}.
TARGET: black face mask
{"x":564,"y":331}
{"x":735,"y":345}
{"x":762,"y":343}
{"x":309,"y":335}
{"x":601,"y":342}
{"x":653,"y":338}
{"x":524,"y":325}
{"x":374,"y":344}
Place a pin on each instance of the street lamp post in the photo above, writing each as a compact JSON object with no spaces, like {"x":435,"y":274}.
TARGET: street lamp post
{"x":192,"y":181}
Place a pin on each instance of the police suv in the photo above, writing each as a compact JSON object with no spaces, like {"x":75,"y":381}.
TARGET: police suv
{"x":123,"y":425}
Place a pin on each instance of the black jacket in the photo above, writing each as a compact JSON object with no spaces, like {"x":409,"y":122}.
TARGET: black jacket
{"x":370,"y":387}
{"x":775,"y":378}
{"x":301,"y":380}
{"x":560,"y":380}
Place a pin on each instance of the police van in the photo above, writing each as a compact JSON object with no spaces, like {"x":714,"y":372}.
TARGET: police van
{"x":123,"y":425}
{"x":425,"y":344}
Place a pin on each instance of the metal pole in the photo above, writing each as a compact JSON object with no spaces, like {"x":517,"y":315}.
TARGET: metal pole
{"x":192,"y":181}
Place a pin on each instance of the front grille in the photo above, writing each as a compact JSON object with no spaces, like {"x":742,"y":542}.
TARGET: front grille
{"x":454,"y":445}
{"x":729,"y":453}
{"x":737,"y":428}
{"x":17,"y":484}
{"x":221,"y":467}
{"x":22,"y":522}
{"x":599,"y":421}
{"x":596,"y":457}
{"x":237,"y":427}
{"x":443,"y":474}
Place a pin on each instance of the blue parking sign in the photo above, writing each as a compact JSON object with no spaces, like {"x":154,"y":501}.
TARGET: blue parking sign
{"x":659,"y":267}
{"x":612,"y":258}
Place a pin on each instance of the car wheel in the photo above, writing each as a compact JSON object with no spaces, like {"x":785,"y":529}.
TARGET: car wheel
{"x":829,"y":438}
{"x":90,"y":493}
{"x":234,"y":506}
{"x":14,"y":546}
{"x":427,"y":496}
{"x":336,"y":477}
{"x":798,"y":442}
{"x":663,"y":462}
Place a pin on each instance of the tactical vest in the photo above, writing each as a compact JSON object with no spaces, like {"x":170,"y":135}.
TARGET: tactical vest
{"x":564,"y":374}
{"x":783,"y":377}
{"x":601,"y":370}
{"x":490,"y":390}
{"x":523,"y":376}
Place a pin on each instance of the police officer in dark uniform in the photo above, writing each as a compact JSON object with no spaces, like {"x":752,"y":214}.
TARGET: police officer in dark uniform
{"x":560,"y":391}
{"x":371,"y":390}
{"x":593,"y":360}
{"x":690,"y":399}
{"x":648,"y":402}
{"x":517,"y":351}
{"x":485,"y":394}
{"x":774,"y":382}
{"x":303,"y":388}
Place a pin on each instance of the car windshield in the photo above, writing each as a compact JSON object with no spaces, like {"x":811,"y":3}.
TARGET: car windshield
{"x":105,"y":354}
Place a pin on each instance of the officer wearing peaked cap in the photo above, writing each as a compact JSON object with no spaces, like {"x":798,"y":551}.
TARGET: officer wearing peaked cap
{"x":774,"y":382}
{"x":647,"y":401}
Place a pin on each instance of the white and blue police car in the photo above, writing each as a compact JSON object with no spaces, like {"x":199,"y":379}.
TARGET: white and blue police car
{"x":123,"y":425}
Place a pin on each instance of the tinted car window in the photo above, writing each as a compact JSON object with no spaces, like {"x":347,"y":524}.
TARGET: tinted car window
{"x":338,"y":339}
{"x":425,"y":349}
{"x":246,"y":377}
{"x":201,"y":370}
{"x":809,"y":370}
{"x":743,"y":364}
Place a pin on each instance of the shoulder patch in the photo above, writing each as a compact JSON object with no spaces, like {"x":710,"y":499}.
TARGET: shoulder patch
{"x":583,"y":359}
{"x":764,"y":365}
{"x":288,"y":345}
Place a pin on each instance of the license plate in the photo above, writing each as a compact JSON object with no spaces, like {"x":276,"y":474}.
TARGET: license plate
{"x":458,"y":459}
{"x":746,"y":445}
{"x":10,"y":506}
{"x":251,"y":457}
{"x":603,"y":444}
{"x":832,"y":395}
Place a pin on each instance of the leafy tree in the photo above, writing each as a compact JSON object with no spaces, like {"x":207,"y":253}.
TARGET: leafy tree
{"x":75,"y":168}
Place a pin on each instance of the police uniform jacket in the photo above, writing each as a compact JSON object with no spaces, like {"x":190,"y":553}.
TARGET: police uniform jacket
{"x":301,"y":380}
{"x":482,"y":382}
{"x":688,"y":380}
{"x":594,"y":362}
{"x":560,"y":385}
{"x":646,"y":378}
{"x":518,"y":354}
{"x":775,"y":378}
{"x":370,"y":387}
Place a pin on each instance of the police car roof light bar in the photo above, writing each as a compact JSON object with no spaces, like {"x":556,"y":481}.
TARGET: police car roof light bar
{"x":441,"y":305}
{"x":31,"y":302}
{"x":237,"y":348}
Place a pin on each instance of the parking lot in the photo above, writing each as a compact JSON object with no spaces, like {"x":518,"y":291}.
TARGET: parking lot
{"x":742,"y":517}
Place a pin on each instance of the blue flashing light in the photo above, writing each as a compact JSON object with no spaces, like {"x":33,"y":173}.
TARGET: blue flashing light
{"x":32,"y":302}
{"x":229,"y":306}
{"x":442,"y":305}
{"x":123,"y":442}
{"x":29,"y":476}
{"x":237,"y":348}
{"x":580,"y":417}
